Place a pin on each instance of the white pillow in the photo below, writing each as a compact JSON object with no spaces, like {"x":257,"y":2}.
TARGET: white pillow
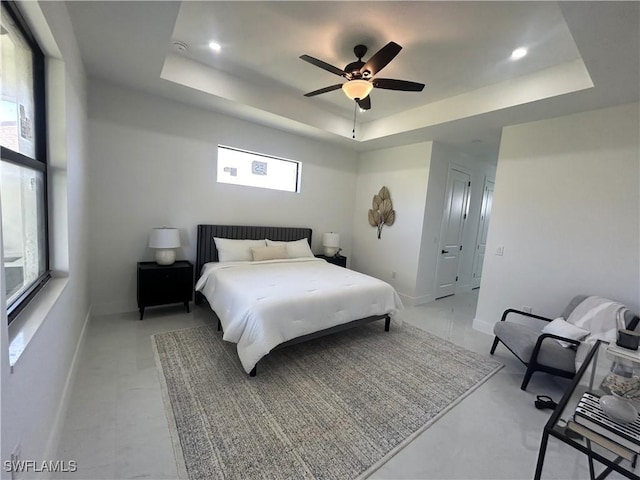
{"x":562,"y":328}
{"x":273,"y":252}
{"x":230,"y":250}
{"x":296,"y":249}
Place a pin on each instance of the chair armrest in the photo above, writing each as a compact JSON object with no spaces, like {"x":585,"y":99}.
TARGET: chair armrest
{"x":526,"y":314}
{"x":543,"y":337}
{"x":557,"y":337}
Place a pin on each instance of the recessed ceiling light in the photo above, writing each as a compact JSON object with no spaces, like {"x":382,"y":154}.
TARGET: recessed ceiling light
{"x":214,"y":46}
{"x":518,"y":53}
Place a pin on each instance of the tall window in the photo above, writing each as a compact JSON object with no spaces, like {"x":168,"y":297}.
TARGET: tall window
{"x":257,"y":170}
{"x":23,"y":165}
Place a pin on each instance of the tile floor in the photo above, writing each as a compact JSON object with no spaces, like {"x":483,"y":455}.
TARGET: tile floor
{"x":116,"y":426}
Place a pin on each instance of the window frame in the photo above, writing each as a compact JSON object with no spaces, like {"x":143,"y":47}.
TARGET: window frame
{"x":298,"y":164}
{"x":39,"y":163}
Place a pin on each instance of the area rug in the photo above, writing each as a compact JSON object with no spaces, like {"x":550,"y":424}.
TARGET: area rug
{"x":332,"y":408}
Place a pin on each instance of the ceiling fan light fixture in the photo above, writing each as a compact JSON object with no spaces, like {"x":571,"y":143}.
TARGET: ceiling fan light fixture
{"x":357,"y":89}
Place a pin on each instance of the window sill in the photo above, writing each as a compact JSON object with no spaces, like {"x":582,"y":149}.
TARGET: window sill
{"x":27,"y":323}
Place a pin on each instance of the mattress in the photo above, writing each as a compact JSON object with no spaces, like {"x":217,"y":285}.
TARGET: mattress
{"x":264,"y":304}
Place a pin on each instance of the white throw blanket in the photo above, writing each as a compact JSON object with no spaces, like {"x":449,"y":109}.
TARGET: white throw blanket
{"x":602,"y":317}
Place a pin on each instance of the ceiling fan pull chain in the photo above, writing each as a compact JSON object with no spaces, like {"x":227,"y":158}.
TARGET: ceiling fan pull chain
{"x":355,"y":108}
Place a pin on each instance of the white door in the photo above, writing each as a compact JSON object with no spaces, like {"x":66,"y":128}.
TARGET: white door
{"x":483,"y":228}
{"x":453,"y":218}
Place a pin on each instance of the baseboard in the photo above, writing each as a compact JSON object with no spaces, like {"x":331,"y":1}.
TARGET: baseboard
{"x":409,"y":301}
{"x":112,"y":308}
{"x":53,"y":442}
{"x":482,"y":326}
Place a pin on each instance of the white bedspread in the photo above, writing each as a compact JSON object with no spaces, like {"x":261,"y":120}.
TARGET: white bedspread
{"x":263,"y":304}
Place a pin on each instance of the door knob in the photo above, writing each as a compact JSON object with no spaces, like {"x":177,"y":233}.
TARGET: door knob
{"x":445,"y":251}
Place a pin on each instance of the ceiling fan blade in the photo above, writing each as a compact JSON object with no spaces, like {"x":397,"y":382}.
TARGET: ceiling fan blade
{"x":381,"y":59}
{"x":393,"y":84}
{"x":323,"y":65}
{"x":365,"y":103}
{"x":324,"y":90}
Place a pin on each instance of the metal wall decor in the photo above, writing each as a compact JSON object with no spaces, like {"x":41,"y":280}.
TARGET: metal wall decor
{"x":382,"y":212}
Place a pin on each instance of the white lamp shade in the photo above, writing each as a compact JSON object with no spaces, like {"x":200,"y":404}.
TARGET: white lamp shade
{"x":331,"y":240}
{"x":359,"y":89}
{"x":164,"y":238}
{"x":331,"y":243}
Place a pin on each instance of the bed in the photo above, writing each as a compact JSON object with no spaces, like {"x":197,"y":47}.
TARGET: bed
{"x":275,"y":302}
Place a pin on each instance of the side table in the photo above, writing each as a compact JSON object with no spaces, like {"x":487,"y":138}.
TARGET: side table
{"x":164,"y":284}
{"x":340,"y":261}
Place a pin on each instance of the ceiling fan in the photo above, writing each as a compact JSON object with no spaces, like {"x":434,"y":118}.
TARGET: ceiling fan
{"x":360,"y":75}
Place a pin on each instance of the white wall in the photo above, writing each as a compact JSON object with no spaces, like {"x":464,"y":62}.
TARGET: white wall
{"x":567,"y":210}
{"x":416,"y":176}
{"x":405,"y":172}
{"x":34,"y":395}
{"x":153,"y":163}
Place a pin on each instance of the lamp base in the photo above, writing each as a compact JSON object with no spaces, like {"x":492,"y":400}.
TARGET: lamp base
{"x":330,"y":251}
{"x":165,"y":256}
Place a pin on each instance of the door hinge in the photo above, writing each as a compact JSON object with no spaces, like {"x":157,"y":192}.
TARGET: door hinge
{"x":469,"y":184}
{"x":460,"y":247}
{"x":456,"y":278}
{"x":464,"y":217}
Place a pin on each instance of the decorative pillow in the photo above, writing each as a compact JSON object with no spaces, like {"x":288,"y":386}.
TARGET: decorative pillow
{"x":296,"y":249}
{"x":269,"y":253}
{"x":231,"y":250}
{"x":562,"y":328}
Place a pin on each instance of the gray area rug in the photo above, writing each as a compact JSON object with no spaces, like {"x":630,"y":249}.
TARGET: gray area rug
{"x":332,"y":408}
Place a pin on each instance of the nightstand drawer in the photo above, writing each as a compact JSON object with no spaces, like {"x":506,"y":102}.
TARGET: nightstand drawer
{"x":165,"y":279}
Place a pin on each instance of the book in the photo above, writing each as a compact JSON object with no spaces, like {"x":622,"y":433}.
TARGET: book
{"x":589,"y":414}
{"x":610,"y":445}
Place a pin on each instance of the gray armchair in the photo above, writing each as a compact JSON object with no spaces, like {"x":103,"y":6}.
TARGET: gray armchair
{"x":524,"y":338}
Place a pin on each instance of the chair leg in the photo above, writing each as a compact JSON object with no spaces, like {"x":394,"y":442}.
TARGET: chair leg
{"x":527,"y":377}
{"x":495,"y":344}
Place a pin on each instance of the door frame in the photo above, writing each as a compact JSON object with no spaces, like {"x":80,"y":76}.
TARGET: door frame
{"x":483,"y":206}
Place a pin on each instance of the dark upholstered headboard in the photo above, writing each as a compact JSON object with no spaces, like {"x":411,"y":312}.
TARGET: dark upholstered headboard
{"x":206,"y":247}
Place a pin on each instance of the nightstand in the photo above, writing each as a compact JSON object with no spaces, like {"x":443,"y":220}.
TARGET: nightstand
{"x":164,"y":284}
{"x":340,"y":261}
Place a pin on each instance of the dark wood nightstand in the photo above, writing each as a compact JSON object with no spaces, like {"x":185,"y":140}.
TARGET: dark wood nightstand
{"x":340,"y":261}
{"x":164,"y":284}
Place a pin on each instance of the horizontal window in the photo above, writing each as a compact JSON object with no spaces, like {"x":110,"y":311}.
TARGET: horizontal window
{"x":240,"y":167}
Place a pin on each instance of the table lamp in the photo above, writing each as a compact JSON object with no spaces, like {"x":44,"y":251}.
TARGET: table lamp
{"x":331,"y":243}
{"x":165,"y":240}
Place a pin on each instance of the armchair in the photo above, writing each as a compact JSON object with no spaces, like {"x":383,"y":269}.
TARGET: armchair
{"x":537,"y":350}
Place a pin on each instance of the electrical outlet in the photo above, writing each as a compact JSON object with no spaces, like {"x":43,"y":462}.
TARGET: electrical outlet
{"x":527,"y":309}
{"x":500,"y":250}
{"x":393,"y":275}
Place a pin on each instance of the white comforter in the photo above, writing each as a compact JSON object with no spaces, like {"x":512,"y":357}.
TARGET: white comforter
{"x":263,"y":304}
